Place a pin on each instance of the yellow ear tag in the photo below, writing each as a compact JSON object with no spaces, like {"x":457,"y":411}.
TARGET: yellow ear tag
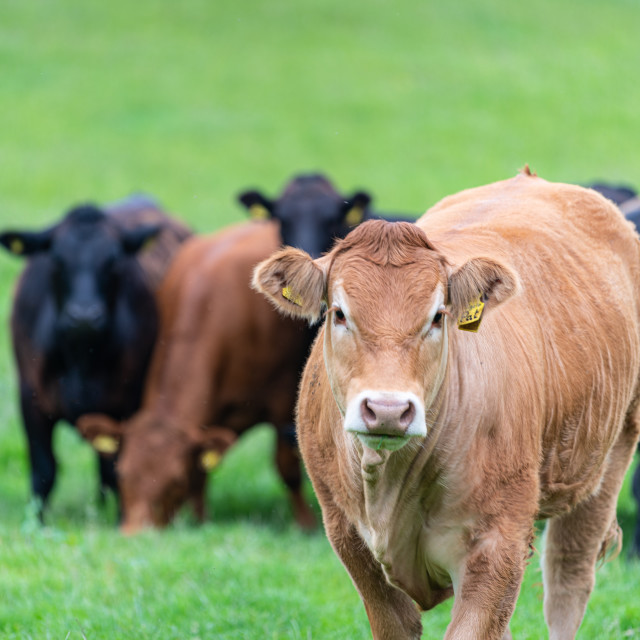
{"x":292,"y":297}
{"x":472,"y":316}
{"x":355,"y":215}
{"x":105,"y":444}
{"x":16,"y":246}
{"x":210,"y":460}
{"x":259,"y":212}
{"x":149,"y":242}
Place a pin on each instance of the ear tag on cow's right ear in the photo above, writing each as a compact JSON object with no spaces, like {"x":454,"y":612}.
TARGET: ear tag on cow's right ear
{"x":16,"y":246}
{"x":472,"y":315}
{"x":354,"y":216}
{"x":259,"y":212}
{"x":210,"y":460}
{"x":291,"y":296}
{"x":105,"y":444}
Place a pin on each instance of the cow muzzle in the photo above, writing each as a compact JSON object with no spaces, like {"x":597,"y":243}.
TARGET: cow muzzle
{"x":385,"y":419}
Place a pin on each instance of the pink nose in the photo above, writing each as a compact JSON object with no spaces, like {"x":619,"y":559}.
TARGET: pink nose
{"x":387,"y":417}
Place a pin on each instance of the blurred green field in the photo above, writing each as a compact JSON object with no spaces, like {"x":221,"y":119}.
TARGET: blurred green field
{"x":192,"y":102}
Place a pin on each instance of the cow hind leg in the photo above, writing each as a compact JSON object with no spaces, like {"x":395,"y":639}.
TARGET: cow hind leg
{"x":574,"y":542}
{"x":290,"y":470}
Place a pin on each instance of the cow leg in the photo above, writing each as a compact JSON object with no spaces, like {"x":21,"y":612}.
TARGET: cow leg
{"x":197,"y":488}
{"x":487,"y":585}
{"x":108,"y":481}
{"x":289,"y":467}
{"x":392,"y":613}
{"x":635,"y":544}
{"x":39,"y":431}
{"x":574,"y":542}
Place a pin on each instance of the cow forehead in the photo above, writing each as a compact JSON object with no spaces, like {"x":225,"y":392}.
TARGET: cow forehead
{"x":87,"y":240}
{"x":382,"y":295}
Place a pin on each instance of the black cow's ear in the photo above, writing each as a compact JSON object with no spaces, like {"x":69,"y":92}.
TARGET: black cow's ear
{"x":26,"y":243}
{"x":139,"y":238}
{"x":355,"y":207}
{"x":259,"y":207}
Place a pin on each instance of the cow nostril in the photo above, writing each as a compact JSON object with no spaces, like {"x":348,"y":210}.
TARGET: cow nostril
{"x":368,"y":415}
{"x":408,"y":415}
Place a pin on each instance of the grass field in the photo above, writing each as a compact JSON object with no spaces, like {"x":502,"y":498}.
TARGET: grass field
{"x":193,"y":101}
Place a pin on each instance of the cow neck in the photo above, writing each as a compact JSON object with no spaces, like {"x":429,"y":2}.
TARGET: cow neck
{"x":398,"y":485}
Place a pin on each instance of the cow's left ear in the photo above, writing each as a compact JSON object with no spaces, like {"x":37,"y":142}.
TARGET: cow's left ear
{"x":484,"y":278}
{"x":259,"y":207}
{"x":354,"y":208}
{"x":133,"y":240}
{"x":211,"y":444}
{"x":26,"y":243}
{"x":294,"y":282}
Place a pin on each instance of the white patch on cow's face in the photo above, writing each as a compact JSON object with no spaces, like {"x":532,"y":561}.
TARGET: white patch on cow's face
{"x":392,"y":435}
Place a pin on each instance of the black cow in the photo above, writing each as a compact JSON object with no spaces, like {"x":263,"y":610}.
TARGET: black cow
{"x":83,"y":325}
{"x":311,"y":213}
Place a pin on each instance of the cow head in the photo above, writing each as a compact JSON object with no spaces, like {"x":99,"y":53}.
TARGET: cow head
{"x":389,"y":295}
{"x":311,"y":213}
{"x":160,"y":466}
{"x":85,"y":253}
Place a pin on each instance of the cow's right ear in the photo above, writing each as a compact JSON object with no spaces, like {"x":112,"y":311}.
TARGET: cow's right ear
{"x":294,"y":282}
{"x":26,"y":243}
{"x":259,"y":207}
{"x":102,"y":432}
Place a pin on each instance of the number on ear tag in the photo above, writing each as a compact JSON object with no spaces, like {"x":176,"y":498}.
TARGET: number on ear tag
{"x":472,"y":316}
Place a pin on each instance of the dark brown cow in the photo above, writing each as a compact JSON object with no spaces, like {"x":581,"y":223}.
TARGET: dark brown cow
{"x":433,"y":450}
{"x":225,"y":361}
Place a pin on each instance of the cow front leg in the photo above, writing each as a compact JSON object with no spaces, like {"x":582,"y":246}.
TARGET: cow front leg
{"x":39,"y":431}
{"x":290,"y":470}
{"x":392,"y":613}
{"x":486,"y":588}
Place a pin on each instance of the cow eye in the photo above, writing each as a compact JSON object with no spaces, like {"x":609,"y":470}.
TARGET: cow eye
{"x":437,"y":319}
{"x":339,"y":317}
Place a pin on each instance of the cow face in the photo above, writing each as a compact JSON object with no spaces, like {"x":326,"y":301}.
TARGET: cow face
{"x":311,"y":213}
{"x":160,"y":467}
{"x":388,"y":295}
{"x":85,"y":253}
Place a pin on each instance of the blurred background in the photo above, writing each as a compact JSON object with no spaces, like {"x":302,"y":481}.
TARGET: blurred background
{"x":193,"y":102}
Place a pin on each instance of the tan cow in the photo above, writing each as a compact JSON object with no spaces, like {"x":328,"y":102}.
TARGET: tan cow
{"x":433,"y":450}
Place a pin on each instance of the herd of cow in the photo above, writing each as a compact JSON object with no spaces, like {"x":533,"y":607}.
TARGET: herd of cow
{"x":433,"y":444}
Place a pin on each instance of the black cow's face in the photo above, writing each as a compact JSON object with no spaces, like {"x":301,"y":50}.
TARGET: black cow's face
{"x":311,"y":213}
{"x":87,"y":253}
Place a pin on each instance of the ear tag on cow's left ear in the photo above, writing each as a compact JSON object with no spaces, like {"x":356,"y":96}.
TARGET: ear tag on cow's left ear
{"x":16,"y":246}
{"x":354,"y":216}
{"x":259,"y":212}
{"x":472,"y":315}
{"x":105,"y":444}
{"x":210,"y":459}
{"x":291,"y":296}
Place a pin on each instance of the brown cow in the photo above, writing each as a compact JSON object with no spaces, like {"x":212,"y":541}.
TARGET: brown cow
{"x":225,"y":361}
{"x":433,"y":450}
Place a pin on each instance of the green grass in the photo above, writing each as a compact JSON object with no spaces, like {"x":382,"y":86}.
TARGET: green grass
{"x":193,"y":101}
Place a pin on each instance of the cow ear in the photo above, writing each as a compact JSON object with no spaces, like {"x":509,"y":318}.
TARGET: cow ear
{"x":354,"y":208}
{"x":259,"y":207}
{"x":26,"y":243}
{"x":480,"y":282}
{"x":294,"y":282}
{"x":211,"y":444}
{"x":102,"y":432}
{"x":142,"y":237}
